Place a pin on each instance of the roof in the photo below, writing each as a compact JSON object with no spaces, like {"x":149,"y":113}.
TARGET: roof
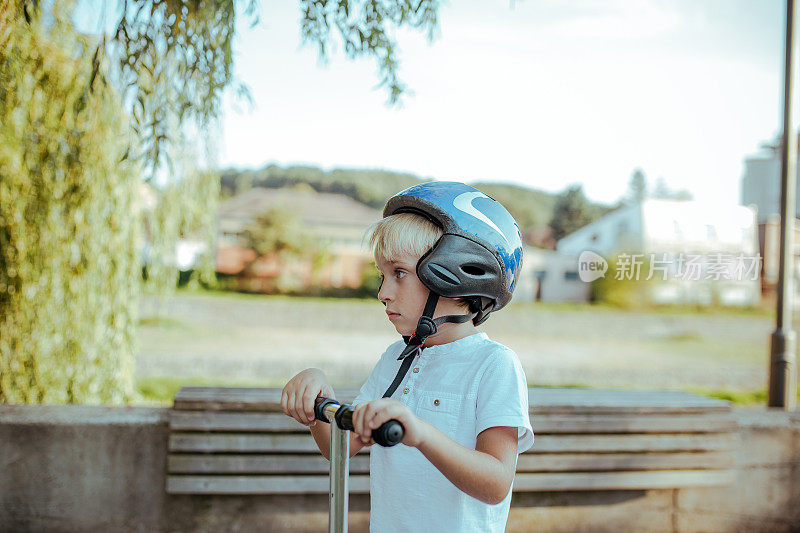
{"x":311,"y":207}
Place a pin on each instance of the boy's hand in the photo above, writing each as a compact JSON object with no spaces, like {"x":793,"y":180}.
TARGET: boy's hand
{"x":297,"y":398}
{"x":371,"y":415}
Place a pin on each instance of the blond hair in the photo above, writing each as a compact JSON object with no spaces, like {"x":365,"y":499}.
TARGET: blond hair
{"x":404,"y":233}
{"x":401,"y":234}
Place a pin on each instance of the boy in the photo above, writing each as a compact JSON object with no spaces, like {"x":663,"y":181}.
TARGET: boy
{"x":448,"y":255}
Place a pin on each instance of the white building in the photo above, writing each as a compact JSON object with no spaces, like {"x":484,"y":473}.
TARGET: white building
{"x":704,"y":252}
{"x":549,"y":276}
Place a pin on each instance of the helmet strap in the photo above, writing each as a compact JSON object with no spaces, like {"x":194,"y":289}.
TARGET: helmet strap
{"x":426,"y":327}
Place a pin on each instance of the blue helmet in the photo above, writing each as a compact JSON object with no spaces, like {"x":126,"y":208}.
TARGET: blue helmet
{"x":480,"y":254}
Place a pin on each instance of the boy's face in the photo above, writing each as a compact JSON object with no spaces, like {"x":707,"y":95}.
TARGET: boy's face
{"x":402,"y":292}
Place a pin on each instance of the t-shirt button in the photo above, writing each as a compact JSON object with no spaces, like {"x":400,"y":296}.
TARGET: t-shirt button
{"x":436,"y":402}
{"x":416,"y":370}
{"x":405,"y":391}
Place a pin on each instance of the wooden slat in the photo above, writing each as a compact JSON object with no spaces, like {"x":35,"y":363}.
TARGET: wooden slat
{"x":542,"y":400}
{"x":632,"y":423}
{"x":234,"y":421}
{"x":593,"y":399}
{"x":276,"y":442}
{"x":631,"y":443}
{"x":544,"y":482}
{"x":314,"y":464}
{"x":660,"y":479}
{"x":238,"y":399}
{"x":549,"y":423}
{"x":236,"y":442}
{"x":258,"y":464}
{"x":588,"y":462}
{"x":179,"y":484}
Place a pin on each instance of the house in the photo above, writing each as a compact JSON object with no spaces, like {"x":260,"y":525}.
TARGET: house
{"x":549,"y":276}
{"x":336,"y":220}
{"x":700,"y":252}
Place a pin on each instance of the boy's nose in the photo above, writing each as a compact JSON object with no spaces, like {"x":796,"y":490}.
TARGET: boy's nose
{"x":383,"y":294}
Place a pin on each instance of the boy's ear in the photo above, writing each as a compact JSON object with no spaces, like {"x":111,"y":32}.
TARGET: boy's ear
{"x":473,"y":305}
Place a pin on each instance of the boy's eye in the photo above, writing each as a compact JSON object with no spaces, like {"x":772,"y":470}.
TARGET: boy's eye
{"x":399,"y":274}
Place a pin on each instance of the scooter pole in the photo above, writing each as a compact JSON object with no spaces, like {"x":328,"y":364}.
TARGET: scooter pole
{"x":389,"y":434}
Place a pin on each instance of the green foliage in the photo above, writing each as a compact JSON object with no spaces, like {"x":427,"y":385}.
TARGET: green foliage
{"x":81,"y":118}
{"x":71,"y":161}
{"x":621,"y":286}
{"x":173,"y":59}
{"x":571,"y":212}
{"x":68,"y":222}
{"x":365,"y":28}
{"x":277,"y":231}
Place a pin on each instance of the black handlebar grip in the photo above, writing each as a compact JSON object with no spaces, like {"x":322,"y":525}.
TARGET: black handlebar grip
{"x":390,"y":433}
{"x":319,"y":408}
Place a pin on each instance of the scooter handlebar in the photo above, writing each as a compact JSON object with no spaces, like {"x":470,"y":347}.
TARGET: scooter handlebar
{"x":390,"y":433}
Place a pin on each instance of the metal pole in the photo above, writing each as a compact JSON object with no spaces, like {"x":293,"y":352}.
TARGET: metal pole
{"x":783,"y":359}
{"x":340,"y":467}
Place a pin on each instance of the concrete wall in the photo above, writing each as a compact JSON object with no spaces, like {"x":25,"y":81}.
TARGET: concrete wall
{"x":84,"y":468}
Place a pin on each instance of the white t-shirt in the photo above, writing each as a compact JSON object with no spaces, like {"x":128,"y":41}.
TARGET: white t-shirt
{"x":462,"y":388}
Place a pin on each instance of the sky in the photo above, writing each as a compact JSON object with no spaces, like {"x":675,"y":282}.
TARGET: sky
{"x":541,"y":93}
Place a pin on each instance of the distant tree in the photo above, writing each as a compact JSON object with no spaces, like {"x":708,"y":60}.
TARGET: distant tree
{"x":637,"y":186}
{"x":570,"y":213}
{"x":663,"y":192}
{"x":278,"y":231}
{"x":661,"y":189}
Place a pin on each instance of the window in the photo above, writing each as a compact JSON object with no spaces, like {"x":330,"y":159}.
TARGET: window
{"x":570,"y":275}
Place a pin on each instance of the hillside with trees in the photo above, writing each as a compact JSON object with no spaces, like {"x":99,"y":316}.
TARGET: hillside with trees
{"x":533,"y":209}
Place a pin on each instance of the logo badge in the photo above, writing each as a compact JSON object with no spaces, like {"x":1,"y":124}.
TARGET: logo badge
{"x":591,"y":266}
{"x":463,"y":202}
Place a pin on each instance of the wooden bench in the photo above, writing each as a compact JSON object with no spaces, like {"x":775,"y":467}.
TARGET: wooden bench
{"x":237,"y":441}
